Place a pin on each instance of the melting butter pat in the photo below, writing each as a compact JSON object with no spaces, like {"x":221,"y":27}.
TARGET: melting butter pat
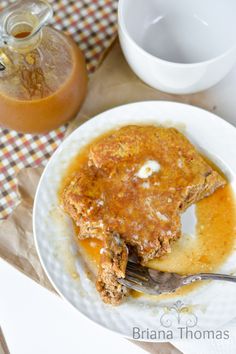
{"x":150,"y":167}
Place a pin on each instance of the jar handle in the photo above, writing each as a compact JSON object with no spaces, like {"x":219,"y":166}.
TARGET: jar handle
{"x":4,"y":61}
{"x":2,"y":66}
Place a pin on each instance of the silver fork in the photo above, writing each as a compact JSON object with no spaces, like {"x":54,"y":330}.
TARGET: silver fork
{"x":155,"y":282}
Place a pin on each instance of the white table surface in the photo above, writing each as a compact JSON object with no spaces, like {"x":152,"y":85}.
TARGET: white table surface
{"x":35,"y":321}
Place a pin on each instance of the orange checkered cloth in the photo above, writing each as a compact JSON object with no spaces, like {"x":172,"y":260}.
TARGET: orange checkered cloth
{"x":92,"y":24}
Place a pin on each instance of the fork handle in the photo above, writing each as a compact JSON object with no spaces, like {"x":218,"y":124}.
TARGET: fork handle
{"x":205,"y":276}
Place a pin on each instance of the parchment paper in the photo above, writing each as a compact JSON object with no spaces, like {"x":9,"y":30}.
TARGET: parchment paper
{"x":113,"y":84}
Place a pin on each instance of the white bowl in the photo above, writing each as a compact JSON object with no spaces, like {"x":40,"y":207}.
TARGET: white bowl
{"x":179,"y":47}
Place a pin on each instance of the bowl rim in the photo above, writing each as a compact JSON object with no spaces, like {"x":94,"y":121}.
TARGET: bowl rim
{"x":123,"y":28}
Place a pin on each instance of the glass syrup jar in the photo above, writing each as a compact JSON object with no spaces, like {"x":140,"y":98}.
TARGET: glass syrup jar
{"x":43,"y":77}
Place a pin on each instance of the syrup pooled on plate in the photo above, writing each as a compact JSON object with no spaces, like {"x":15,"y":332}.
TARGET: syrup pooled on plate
{"x":206,"y":251}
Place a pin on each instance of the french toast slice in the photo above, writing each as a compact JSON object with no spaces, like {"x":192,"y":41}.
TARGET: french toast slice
{"x":113,"y":261}
{"x":136,"y":183}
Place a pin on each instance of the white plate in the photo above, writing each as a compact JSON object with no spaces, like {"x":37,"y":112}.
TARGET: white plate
{"x":207,"y":306}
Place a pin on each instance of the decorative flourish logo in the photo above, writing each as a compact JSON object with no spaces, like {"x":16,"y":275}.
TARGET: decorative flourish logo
{"x":181,"y":318}
{"x":178,"y":314}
